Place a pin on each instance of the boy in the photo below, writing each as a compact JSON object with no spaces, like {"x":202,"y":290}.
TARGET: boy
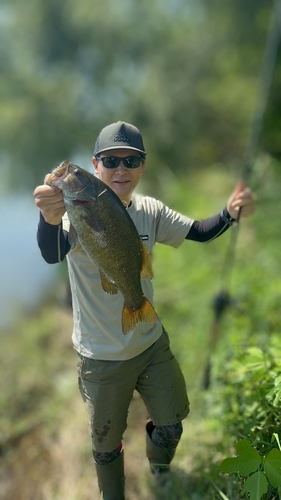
{"x":113,"y":365}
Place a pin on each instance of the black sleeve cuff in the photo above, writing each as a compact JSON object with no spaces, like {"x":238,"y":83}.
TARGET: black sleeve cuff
{"x":226,"y":217}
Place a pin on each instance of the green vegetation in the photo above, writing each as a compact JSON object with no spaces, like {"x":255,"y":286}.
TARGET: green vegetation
{"x":45,"y":450}
{"x":263,"y":473}
{"x":185,"y":72}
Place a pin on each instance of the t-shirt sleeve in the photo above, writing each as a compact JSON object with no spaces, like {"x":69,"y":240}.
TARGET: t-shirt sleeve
{"x":172,"y":227}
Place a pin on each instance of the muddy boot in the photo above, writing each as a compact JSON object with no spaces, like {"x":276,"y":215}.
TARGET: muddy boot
{"x":159,"y":458}
{"x":111,"y":479}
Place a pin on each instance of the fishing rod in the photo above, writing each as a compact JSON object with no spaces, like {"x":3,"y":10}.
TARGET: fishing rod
{"x":223,"y":299}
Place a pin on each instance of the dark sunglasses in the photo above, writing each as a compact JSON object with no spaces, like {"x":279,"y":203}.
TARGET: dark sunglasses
{"x":114,"y":161}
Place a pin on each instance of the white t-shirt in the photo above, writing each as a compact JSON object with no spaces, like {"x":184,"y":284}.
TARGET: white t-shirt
{"x":97,"y":328}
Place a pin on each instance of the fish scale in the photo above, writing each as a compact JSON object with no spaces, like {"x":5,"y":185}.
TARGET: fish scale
{"x":106,"y":232}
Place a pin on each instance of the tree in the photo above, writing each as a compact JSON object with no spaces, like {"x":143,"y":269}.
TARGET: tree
{"x":185,"y":73}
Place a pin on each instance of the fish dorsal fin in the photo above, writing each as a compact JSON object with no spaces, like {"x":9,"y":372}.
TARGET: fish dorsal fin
{"x":107,"y":285}
{"x":72,"y":235}
{"x":146,"y":270}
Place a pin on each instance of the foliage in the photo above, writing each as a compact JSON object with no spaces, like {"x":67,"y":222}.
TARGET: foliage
{"x":251,"y":399}
{"x":261,"y":470}
{"x":246,"y":390}
{"x":253,"y":391}
{"x":185,"y":72}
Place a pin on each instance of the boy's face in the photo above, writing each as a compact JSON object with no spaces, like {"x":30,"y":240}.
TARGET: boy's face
{"x":121,"y":180}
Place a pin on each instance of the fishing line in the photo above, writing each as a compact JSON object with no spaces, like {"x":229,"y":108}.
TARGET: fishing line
{"x":223,"y":299}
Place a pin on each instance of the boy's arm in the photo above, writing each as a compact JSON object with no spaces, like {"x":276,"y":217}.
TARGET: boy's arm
{"x":208,"y":229}
{"x":241,"y":203}
{"x":52,"y":241}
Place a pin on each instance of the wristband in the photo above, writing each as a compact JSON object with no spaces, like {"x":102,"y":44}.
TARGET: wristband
{"x":226,"y":217}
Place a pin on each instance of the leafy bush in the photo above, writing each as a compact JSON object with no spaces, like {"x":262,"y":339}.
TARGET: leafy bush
{"x":248,"y":391}
{"x":264,"y":472}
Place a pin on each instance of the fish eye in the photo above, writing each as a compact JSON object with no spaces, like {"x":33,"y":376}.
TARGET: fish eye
{"x":77,"y":172}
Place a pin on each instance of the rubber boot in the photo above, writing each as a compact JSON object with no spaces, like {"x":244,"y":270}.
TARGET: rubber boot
{"x":111,"y":479}
{"x":159,"y":458}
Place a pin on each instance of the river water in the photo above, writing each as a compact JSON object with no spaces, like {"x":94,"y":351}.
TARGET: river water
{"x":24,"y":276}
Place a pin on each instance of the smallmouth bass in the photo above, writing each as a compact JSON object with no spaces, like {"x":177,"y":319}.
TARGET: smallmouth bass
{"x":106,"y":232}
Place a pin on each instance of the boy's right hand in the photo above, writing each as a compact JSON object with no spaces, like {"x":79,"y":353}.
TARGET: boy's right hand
{"x":50,"y":201}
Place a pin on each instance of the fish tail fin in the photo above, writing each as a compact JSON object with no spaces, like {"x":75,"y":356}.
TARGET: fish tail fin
{"x":145,"y":314}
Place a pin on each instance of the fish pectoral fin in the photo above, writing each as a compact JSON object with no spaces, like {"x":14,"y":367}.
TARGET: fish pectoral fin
{"x":107,"y":285}
{"x":145,"y":314}
{"x":146,"y":270}
{"x":72,"y":235}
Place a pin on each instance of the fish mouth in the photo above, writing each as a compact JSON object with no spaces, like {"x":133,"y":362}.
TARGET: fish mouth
{"x":60,"y":173}
{"x":63,"y":175}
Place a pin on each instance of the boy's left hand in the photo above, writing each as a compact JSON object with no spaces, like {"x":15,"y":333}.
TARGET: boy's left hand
{"x":242,"y":198}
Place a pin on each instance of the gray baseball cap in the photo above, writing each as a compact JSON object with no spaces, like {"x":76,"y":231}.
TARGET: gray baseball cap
{"x":119,"y":135}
